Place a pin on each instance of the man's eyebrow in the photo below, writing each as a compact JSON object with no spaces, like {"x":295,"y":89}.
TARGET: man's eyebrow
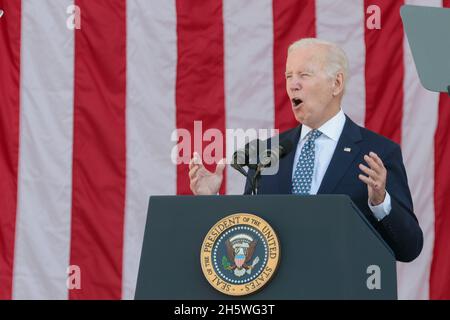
{"x":306,"y":70}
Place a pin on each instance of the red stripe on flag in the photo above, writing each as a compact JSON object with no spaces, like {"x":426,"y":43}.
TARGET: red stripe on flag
{"x":9,"y":137}
{"x":440,"y":266}
{"x":292,"y":20}
{"x":99,"y":152}
{"x":200,"y":93}
{"x":385,"y":71}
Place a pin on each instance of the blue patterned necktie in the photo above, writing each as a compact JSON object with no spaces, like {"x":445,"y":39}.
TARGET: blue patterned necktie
{"x":301,"y":182}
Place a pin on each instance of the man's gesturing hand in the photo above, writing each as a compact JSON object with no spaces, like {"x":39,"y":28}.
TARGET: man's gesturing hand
{"x":375,"y":179}
{"x":204,"y":182}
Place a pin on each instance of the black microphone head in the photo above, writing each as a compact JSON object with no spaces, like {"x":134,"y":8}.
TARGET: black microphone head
{"x":238,"y":160}
{"x":270,"y":157}
{"x":252,"y":150}
{"x":239,"y":157}
{"x":247,"y":156}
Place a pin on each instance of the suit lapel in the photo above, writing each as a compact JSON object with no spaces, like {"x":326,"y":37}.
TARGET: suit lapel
{"x":346,"y":150}
{"x":286,"y":163}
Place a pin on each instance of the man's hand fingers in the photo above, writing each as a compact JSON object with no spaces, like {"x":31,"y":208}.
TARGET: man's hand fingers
{"x":193,"y":185}
{"x":195,"y":161}
{"x":368,"y":171}
{"x":193,"y":171}
{"x":221,"y":166}
{"x":191,"y":163}
{"x":377,"y":159}
{"x":367,"y":180}
{"x":373,"y":164}
{"x":375,"y":175}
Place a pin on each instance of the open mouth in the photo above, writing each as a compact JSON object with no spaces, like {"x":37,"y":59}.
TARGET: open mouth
{"x":297,"y":101}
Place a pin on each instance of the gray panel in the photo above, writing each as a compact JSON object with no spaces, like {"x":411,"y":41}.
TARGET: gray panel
{"x":428,"y":33}
{"x":326,"y":247}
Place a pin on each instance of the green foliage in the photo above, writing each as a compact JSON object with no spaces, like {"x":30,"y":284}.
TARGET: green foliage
{"x":225,"y":263}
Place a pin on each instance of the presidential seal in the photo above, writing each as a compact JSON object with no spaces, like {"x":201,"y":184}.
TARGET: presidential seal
{"x":240,"y":254}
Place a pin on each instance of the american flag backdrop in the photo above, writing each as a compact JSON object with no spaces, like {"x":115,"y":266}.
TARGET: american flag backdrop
{"x":87,"y":116}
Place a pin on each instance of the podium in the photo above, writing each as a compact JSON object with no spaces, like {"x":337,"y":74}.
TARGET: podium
{"x":328,"y":248}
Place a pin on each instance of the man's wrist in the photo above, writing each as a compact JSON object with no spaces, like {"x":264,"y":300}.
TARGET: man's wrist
{"x":383,"y":209}
{"x":378,"y":202}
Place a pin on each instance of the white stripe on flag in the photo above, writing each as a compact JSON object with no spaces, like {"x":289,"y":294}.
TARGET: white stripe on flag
{"x":343,"y":22}
{"x":151,"y":78}
{"x":45,"y":158}
{"x":420,"y":112}
{"x":249,"y":90}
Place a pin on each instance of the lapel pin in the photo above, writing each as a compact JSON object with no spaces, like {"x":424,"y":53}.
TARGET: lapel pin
{"x":347,"y":149}
{"x":1,"y":13}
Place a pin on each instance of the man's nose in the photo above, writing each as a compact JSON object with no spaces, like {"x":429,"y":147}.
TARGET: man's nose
{"x":295,"y":85}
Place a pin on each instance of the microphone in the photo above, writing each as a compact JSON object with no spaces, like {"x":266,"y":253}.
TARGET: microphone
{"x":271,"y":156}
{"x":251,"y":157}
{"x":246,"y":157}
{"x":268,"y":160}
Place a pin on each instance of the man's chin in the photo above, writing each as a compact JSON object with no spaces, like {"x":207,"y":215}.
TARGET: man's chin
{"x":299,"y":117}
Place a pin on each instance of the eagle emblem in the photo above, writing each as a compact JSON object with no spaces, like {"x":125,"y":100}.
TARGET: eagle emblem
{"x":240,"y":254}
{"x":240,"y":249}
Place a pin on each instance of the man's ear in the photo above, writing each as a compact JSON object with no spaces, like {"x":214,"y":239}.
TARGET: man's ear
{"x":338,"y":84}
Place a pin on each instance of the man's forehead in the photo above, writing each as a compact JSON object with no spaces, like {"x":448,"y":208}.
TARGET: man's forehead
{"x":311,"y":49}
{"x":312,"y":56}
{"x":304,"y":62}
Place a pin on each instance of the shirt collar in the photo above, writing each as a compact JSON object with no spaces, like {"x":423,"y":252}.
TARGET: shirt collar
{"x":332,"y":128}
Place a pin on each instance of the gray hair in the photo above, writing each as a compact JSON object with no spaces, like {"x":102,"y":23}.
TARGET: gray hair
{"x":337,"y":60}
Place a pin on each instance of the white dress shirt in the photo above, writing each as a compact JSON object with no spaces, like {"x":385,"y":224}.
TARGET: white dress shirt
{"x":324,"y":150}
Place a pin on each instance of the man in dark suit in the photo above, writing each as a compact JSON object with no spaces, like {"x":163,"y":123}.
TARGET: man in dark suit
{"x":332,"y":154}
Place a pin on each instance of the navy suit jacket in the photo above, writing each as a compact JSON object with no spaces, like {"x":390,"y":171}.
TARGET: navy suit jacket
{"x":400,"y":229}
